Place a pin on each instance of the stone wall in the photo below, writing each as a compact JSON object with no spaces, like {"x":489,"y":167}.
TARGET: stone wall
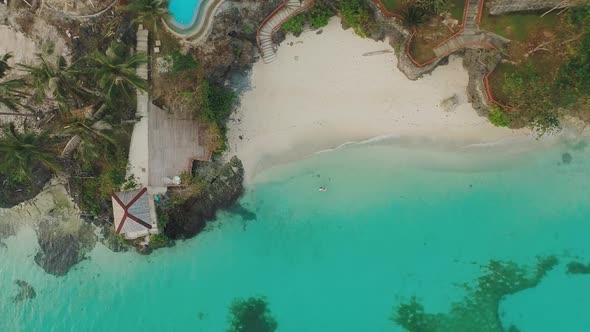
{"x":498,"y":7}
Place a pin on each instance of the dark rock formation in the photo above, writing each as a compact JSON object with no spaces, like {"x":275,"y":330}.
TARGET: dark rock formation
{"x":498,"y":7}
{"x":223,"y":188}
{"x":60,"y":248}
{"x":57,"y":253}
{"x":25,"y":292}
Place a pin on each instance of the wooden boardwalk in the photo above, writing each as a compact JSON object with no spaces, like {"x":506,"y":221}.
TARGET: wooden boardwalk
{"x":173,"y":142}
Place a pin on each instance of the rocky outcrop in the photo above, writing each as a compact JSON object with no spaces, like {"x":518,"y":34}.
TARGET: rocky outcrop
{"x":223,"y":186}
{"x":25,"y":292}
{"x":63,"y":242}
{"x":478,"y":64}
{"x":498,"y":7}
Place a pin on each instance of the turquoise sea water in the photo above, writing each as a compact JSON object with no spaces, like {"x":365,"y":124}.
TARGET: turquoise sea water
{"x":396,"y":222}
{"x":184,"y":12}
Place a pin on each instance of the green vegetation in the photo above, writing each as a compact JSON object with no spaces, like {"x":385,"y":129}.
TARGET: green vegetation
{"x":549,"y":70}
{"x":11,"y":92}
{"x":433,"y":7}
{"x":159,"y":241}
{"x":498,"y":117}
{"x":53,"y":80}
{"x":393,"y":6}
{"x":22,"y":152}
{"x":517,"y":27}
{"x":456,"y":9}
{"x":412,"y":16}
{"x":115,"y":69}
{"x":479,"y":311}
{"x":578,"y":268}
{"x":317,"y":17}
{"x":217,"y":104}
{"x":251,"y":315}
{"x":294,"y":25}
{"x":99,"y":174}
{"x":149,"y":11}
{"x":194,"y":186}
{"x":183,"y":62}
{"x":357,"y":14}
{"x":573,"y":77}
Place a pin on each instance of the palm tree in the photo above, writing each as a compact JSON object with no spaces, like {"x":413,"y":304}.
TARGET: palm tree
{"x":10,"y":90}
{"x":22,"y":152}
{"x":149,"y":11}
{"x":412,"y":15}
{"x":53,"y":80}
{"x":4,"y":66}
{"x":115,"y":70}
{"x":85,"y":140}
{"x":11,"y":94}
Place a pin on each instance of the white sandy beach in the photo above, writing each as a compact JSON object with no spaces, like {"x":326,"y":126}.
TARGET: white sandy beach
{"x":323,"y":92}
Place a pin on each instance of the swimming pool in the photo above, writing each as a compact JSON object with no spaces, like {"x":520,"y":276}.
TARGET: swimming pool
{"x":191,"y":19}
{"x":184,"y":12}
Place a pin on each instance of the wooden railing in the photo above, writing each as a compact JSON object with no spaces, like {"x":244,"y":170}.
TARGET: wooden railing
{"x":407,"y":48}
{"x":486,"y":82}
{"x":274,"y":12}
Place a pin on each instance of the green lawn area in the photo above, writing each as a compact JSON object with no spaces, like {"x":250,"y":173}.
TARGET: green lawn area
{"x":393,"y":6}
{"x":457,"y":8}
{"x":518,"y":27}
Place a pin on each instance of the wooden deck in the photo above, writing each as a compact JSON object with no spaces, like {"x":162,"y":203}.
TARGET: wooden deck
{"x":173,"y":142}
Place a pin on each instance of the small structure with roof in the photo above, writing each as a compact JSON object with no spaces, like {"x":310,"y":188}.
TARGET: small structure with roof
{"x":134,"y":213}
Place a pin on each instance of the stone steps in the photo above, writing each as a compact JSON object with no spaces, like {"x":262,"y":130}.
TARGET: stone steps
{"x":266,"y":32}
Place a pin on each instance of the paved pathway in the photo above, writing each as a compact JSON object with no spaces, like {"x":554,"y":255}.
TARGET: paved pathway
{"x":468,"y":37}
{"x":272,"y":23}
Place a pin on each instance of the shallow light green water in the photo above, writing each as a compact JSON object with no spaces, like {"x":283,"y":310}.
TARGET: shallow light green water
{"x":396,"y":222}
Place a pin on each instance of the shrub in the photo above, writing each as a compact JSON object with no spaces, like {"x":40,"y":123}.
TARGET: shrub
{"x":218,"y":102}
{"x":294,"y":24}
{"x":498,"y":117}
{"x":533,"y":96}
{"x":434,"y":7}
{"x":356,"y":13}
{"x":217,"y":105}
{"x":319,"y":17}
{"x":158,"y":241}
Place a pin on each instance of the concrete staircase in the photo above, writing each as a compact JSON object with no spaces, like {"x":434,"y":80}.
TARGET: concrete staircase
{"x":471,"y":19}
{"x":469,"y":36}
{"x":272,"y":23}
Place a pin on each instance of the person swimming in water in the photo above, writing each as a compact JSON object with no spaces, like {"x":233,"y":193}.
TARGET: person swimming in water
{"x":322,"y":189}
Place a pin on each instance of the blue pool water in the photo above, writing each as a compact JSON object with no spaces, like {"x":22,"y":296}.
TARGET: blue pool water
{"x":396,"y":222}
{"x":184,"y":12}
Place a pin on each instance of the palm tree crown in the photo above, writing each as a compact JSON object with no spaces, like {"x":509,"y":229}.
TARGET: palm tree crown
{"x":10,"y":90}
{"x":23,"y":151}
{"x":116,"y":70}
{"x":53,"y":80}
{"x":149,"y":10}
